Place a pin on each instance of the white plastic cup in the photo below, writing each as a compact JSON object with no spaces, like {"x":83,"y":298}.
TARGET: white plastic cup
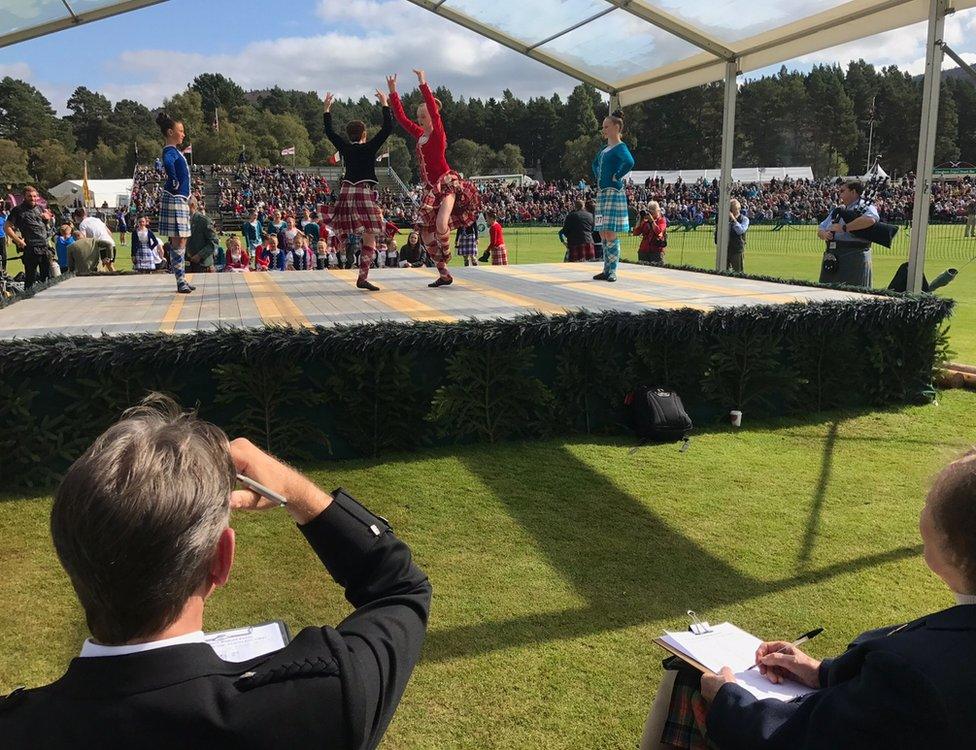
{"x":736,"y":417}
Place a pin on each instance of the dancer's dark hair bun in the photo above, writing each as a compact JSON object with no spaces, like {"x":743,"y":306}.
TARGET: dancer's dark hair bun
{"x":165,"y":122}
{"x":618,"y":113}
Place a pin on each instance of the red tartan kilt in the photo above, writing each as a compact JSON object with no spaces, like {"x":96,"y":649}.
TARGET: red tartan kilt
{"x":467,"y":203}
{"x":356,"y":211}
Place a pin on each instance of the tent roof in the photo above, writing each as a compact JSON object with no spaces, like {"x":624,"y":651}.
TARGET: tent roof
{"x":640,"y":49}
{"x":21,"y":20}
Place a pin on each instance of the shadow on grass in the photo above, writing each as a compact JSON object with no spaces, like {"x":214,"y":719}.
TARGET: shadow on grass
{"x":819,"y":494}
{"x":622,"y":558}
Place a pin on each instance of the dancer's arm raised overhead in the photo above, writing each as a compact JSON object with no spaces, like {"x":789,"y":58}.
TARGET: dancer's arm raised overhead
{"x":432,"y":108}
{"x":397,"y":106}
{"x":384,"y":133}
{"x":337,"y":140}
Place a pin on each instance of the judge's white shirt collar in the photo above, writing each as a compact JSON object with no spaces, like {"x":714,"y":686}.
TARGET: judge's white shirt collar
{"x":965,"y":598}
{"x":90,"y":648}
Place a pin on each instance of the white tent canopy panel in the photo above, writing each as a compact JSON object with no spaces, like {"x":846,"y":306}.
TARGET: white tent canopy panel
{"x":641,"y":49}
{"x":21,"y":20}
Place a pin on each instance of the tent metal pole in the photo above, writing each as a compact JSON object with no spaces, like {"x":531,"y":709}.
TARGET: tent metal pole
{"x":725,"y":180}
{"x":926,"y":144}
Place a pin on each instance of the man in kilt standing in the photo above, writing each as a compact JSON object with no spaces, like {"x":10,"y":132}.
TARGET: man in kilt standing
{"x":466,"y":242}
{"x":610,"y":167}
{"x":357,"y":211}
{"x":174,"y":209}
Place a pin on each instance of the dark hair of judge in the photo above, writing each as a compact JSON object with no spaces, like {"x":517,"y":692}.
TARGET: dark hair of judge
{"x":165,"y":122}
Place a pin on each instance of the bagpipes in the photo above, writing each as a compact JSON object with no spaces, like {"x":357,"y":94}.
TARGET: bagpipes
{"x":881,"y":233}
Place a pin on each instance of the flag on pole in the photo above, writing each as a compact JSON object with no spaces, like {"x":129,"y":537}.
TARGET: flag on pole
{"x":188,"y":149}
{"x":335,"y":158}
{"x":86,"y":194}
{"x":381,"y":157}
{"x":290,"y":151}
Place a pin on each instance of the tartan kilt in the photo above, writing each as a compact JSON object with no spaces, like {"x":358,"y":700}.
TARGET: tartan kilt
{"x":467,"y":245}
{"x":467,"y":203}
{"x":611,"y":211}
{"x":174,"y":215}
{"x":499,"y":256}
{"x":357,"y":211}
{"x":578,"y":253}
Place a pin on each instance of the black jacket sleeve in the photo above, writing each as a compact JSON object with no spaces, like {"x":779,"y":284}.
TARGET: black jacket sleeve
{"x":887,"y":704}
{"x":378,"y":645}
{"x":377,"y":141}
{"x":337,"y":140}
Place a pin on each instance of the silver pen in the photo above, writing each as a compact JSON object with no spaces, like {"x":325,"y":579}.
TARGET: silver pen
{"x":261,"y":490}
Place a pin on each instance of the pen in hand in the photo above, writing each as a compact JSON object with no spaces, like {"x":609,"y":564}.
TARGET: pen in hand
{"x":798,"y":642}
{"x":261,"y":490}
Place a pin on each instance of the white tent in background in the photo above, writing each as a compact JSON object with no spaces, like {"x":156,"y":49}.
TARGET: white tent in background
{"x":114,"y":192}
{"x":876,"y":173}
{"x":745,"y":174}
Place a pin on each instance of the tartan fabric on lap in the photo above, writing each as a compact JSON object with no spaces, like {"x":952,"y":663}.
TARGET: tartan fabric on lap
{"x":685,"y":726}
{"x":611,"y":211}
{"x":356,"y":211}
{"x":583,"y":252}
{"x":174,"y":216}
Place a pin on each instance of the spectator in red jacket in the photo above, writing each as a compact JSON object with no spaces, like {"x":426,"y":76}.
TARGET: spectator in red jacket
{"x":652,"y":229}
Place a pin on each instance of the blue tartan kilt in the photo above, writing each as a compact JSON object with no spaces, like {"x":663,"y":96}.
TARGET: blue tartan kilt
{"x":174,"y":216}
{"x":467,"y":244}
{"x":611,"y":211}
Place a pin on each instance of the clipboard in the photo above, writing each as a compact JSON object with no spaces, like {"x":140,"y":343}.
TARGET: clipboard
{"x":684,"y":657}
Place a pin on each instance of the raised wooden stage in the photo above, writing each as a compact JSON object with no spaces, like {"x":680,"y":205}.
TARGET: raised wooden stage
{"x":124,"y":304}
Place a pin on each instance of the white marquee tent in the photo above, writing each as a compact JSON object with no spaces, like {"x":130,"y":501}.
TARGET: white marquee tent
{"x":114,"y":192}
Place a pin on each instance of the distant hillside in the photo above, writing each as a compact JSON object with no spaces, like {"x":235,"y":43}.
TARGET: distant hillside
{"x":955,"y":73}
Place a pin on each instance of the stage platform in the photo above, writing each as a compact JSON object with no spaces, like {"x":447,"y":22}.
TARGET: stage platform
{"x":97,"y":305}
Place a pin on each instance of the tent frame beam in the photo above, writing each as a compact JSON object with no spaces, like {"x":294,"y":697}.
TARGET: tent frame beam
{"x":926,"y":144}
{"x":75,"y":19}
{"x":438,"y":7}
{"x":675,"y":27}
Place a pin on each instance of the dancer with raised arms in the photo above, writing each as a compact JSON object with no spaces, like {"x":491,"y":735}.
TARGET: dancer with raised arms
{"x":610,"y":167}
{"x":357,"y":211}
{"x":449,"y":202}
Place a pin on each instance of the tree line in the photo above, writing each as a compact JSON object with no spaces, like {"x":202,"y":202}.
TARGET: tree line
{"x":822,"y":118}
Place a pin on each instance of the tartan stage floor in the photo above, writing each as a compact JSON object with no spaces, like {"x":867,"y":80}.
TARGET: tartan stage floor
{"x":95,"y":305}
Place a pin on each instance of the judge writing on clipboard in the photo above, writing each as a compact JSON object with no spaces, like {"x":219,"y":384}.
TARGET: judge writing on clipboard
{"x":141,"y":524}
{"x":907,"y":686}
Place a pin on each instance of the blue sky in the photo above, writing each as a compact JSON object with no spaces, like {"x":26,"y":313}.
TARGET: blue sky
{"x":343,"y":45}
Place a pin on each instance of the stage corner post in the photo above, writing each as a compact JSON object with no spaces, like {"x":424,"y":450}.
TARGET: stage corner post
{"x":926,"y":144}
{"x":725,"y":180}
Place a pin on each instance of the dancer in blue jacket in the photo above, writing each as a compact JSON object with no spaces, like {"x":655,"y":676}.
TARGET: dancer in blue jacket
{"x":610,"y":167}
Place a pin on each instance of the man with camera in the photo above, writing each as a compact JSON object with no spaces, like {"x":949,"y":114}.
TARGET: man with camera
{"x":847,"y":259}
{"x":141,"y":525}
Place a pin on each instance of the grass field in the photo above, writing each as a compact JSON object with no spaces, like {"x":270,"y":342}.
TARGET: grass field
{"x":555,"y":563}
{"x":792,"y":253}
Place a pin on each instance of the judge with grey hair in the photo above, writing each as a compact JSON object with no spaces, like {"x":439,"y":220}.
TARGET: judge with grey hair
{"x":142,"y":526}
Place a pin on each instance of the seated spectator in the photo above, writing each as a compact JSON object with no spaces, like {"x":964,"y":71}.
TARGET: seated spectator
{"x":652,"y":229}
{"x":905,"y":686}
{"x":85,"y":255}
{"x":413,"y":253}
{"x":321,"y":255}
{"x":275,"y":258}
{"x":304,"y":258}
{"x":237,"y":258}
{"x":147,"y":254}
{"x":577,"y":234}
{"x":309,"y":227}
{"x":141,"y":525}
{"x":65,"y":239}
{"x":262,"y":256}
{"x":333,"y":258}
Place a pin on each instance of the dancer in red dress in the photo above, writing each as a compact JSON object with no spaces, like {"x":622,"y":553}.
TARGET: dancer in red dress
{"x":449,"y":202}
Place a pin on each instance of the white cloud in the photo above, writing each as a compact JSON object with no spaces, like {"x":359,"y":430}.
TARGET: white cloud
{"x":19,"y":70}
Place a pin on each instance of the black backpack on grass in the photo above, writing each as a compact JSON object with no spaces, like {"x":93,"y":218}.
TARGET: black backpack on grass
{"x":659,"y":415}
